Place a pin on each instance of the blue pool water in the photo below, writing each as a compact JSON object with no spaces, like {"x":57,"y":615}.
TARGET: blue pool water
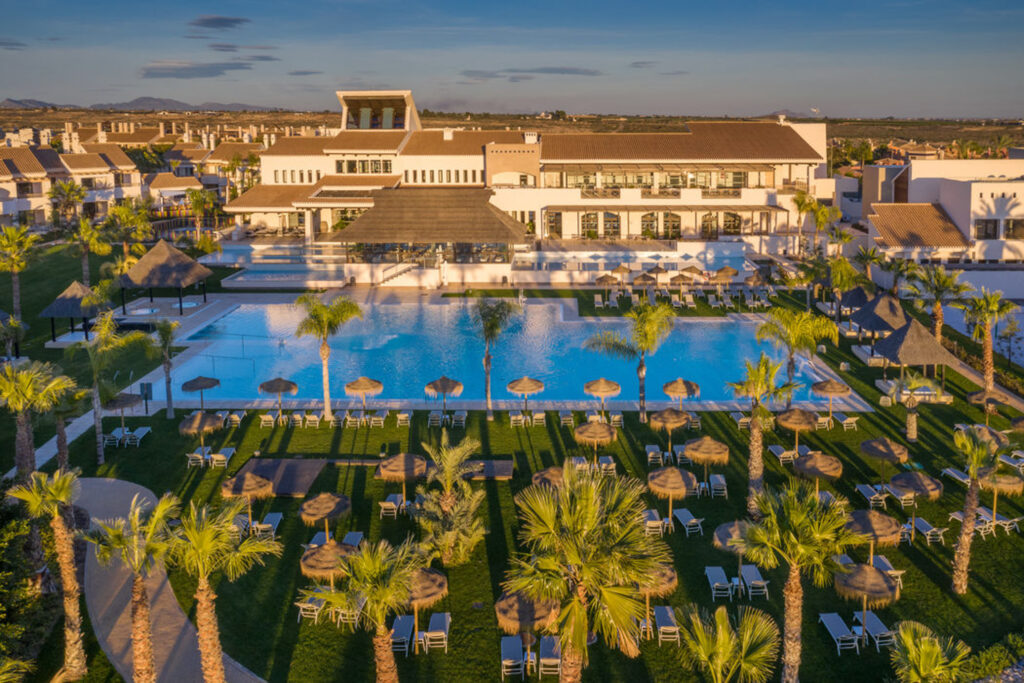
{"x":407,"y":345}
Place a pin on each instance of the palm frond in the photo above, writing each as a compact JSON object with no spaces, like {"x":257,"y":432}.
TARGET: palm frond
{"x":612,"y":344}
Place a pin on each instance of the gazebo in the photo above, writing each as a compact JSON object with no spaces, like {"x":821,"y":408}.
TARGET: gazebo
{"x":71,"y":304}
{"x":857,"y":297}
{"x":914,"y":344}
{"x":882,"y":314}
{"x":165,"y":266}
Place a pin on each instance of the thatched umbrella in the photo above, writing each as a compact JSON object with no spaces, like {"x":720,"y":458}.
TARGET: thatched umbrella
{"x":644,"y":280}
{"x":671,"y":483}
{"x":726,"y":537}
{"x":324,"y":561}
{"x":71,"y":304}
{"x":914,"y":344}
{"x":991,"y":435}
{"x":669,"y":419}
{"x":621,"y":269}
{"x":663,"y":581}
{"x":602,"y":388}
{"x":692,"y":270}
{"x":279,"y":386}
{"x":718,"y":280}
{"x":886,"y":450}
{"x":656,"y":271}
{"x":403,"y":467}
{"x":427,"y":588}
{"x":518,"y":614}
{"x":444,"y":386}
{"x":324,"y":507}
{"x":990,"y":400}
{"x":594,"y":434}
{"x":882,"y":314}
{"x":249,"y":486}
{"x":607,"y":280}
{"x":706,"y":451}
{"x":1007,"y":484}
{"x":818,"y":466}
{"x":121,"y":402}
{"x":200,"y":384}
{"x":681,"y":388}
{"x":549,"y":476}
{"x":200,"y":423}
{"x":680,"y":280}
{"x":869,"y":584}
{"x":754,"y":280}
{"x":920,"y":484}
{"x":727,"y":271}
{"x":878,"y":528}
{"x":797,"y":420}
{"x":525,"y":386}
{"x":165,"y":266}
{"x":854,"y":298}
{"x":363,"y":387}
{"x":830,"y":388}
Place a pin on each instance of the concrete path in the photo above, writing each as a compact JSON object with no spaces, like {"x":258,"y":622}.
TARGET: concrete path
{"x":108,"y":596}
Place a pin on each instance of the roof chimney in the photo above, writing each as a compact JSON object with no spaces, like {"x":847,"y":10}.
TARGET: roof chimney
{"x":530,"y":137}
{"x":448,"y":134}
{"x":782,"y":119}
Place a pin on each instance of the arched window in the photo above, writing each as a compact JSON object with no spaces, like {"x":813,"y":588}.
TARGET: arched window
{"x":709,"y":226}
{"x":612,"y":225}
{"x":649,"y":224}
{"x":731,"y":223}
{"x":554,"y":223}
{"x":671,"y":226}
{"x":588,"y":225}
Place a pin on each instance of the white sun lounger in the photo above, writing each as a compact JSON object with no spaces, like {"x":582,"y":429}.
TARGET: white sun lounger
{"x":690,"y":524}
{"x":235,"y":418}
{"x":268,"y":527}
{"x":266,"y":420}
{"x":957,"y":475}
{"x":882,"y":563}
{"x":905,"y":498}
{"x":694,"y":419}
{"x":676,"y":301}
{"x":930,"y":532}
{"x":606,"y":465}
{"x":742,"y":421}
{"x":654,"y":455}
{"x":718,"y":486}
{"x":719,"y":583}
{"x":875,"y":497}
{"x":876,"y":629}
{"x":319,"y":538}
{"x":841,"y":634}
{"x":401,"y":633}
{"x":297,"y":418}
{"x":785,"y":457}
{"x":653,"y":524}
{"x":550,"y":660}
{"x":512,"y":657}
{"x":598,"y":301}
{"x":849,"y":422}
{"x":679,"y":450}
{"x":665,"y":623}
{"x":135,"y":438}
{"x":753,"y":583}
{"x":436,"y":634}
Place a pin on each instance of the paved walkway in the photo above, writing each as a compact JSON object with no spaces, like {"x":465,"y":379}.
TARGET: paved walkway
{"x":108,"y":596}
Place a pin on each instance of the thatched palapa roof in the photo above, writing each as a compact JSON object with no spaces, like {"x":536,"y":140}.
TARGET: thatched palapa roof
{"x":913,"y":344}
{"x":68,"y":303}
{"x":881,"y":314}
{"x":165,"y":266}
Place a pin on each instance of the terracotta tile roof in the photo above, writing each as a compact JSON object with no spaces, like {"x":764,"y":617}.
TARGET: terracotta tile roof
{"x":50,"y":160}
{"x":140,"y":136}
{"x":915,"y":225}
{"x":20,"y":162}
{"x":114,"y":155}
{"x":169,"y":181}
{"x":84,"y":162}
{"x":366,"y":141}
{"x":705,"y":141}
{"x":168,"y":139}
{"x":264,"y":197}
{"x":226,"y":151}
{"x":463,"y":142}
{"x":186,"y":153}
{"x":299,"y":146}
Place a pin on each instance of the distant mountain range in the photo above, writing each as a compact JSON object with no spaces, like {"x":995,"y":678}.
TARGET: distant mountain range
{"x":790,"y":114}
{"x":139,"y":104}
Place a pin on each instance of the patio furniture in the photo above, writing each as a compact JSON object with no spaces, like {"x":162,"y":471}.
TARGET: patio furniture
{"x":842,"y":559}
{"x":824,"y":422}
{"x":654,"y":455}
{"x":598,"y":301}
{"x":310,"y":608}
{"x":607,"y":465}
{"x":401,"y":634}
{"x":350,"y":615}
{"x":718,"y":486}
{"x":849,"y":422}
{"x":719,"y":583}
{"x":220,"y":460}
{"x":874,"y":496}
{"x":377,"y":419}
{"x":615,"y":418}
{"x":390,"y":506}
{"x":905,"y":498}
{"x":1001,"y":521}
{"x":435,"y":419}
{"x":539,"y":418}
{"x":874,"y":627}
{"x":690,"y":524}
{"x":112,"y":439}
{"x":550,"y":657}
{"x":882,"y":563}
{"x":403,"y":418}
{"x":742,"y":421}
{"x":319,"y":538}
{"x":459,"y":418}
{"x":512,"y":657}
{"x":195,"y":460}
{"x":753,"y":583}
{"x":436,"y":634}
{"x":957,"y":475}
{"x":784,"y":457}
{"x":515,"y":418}
{"x":297,"y":418}
{"x":353,"y":419}
{"x":353,"y":538}
{"x":313,"y":421}
{"x":135,"y":438}
{"x":268,"y":527}
{"x":680,"y":452}
{"x":235,"y":418}
{"x":665,"y":623}
{"x":930,"y":532}
{"x":565,"y":417}
{"x":653,"y":524}
{"x":840,"y":633}
{"x":266,"y":420}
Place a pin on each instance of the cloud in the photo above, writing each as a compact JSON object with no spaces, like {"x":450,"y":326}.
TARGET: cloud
{"x":223,"y":47}
{"x":256,"y":58}
{"x":197,"y":36}
{"x":217,"y":22}
{"x":641,"y":65}
{"x":555,"y":71}
{"x":182,"y":69}
{"x":475,"y":76}
{"x":479,"y":75}
{"x":10,"y":44}
{"x":517,"y":79}
{"x":674,"y":73}
{"x":304,"y":72}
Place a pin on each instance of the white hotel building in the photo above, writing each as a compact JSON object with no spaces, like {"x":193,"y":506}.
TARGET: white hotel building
{"x":384,"y":195}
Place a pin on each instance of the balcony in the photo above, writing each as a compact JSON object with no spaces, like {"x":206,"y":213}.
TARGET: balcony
{"x":600,"y":193}
{"x":661,"y":193}
{"x":792,"y":186}
{"x":721,"y":193}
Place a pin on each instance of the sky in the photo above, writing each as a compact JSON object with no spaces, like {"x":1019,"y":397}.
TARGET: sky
{"x":907,"y":58}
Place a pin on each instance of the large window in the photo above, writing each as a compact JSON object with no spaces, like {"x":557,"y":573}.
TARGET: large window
{"x":709,"y":226}
{"x":732,"y":179}
{"x":986,"y":229}
{"x":554,"y":223}
{"x":363,"y":166}
{"x":731,"y":223}
{"x":671,"y":226}
{"x":588,"y":225}
{"x":612,"y":225}
{"x":1015,"y":229}
{"x":649,"y":224}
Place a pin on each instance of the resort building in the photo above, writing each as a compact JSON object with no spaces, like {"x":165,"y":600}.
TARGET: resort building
{"x":24,"y":182}
{"x":710,"y":187}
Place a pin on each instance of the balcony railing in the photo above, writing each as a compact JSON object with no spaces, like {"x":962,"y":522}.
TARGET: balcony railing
{"x":792,"y":186}
{"x":600,"y":193}
{"x":721,"y":193}
{"x":661,"y":193}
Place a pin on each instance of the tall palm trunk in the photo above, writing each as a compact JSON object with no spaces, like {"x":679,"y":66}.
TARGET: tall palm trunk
{"x":988,"y":363}
{"x":142,"y":634}
{"x":199,"y":226}
{"x":867,"y":270}
{"x":16,"y":294}
{"x":24,"y":452}
{"x":755,"y":465}
{"x":384,"y":657}
{"x":487,"y":374}
{"x":912,"y":421}
{"x":124,"y":249}
{"x":210,"y":655}
{"x":85,"y":266}
{"x":60,"y":424}
{"x":938,"y":318}
{"x":962,"y":556}
{"x":790,"y":373}
{"x":74,"y":650}
{"x":167,"y":387}
{"x":97,"y":421}
{"x":325,"y":355}
{"x":793,"y":607}
{"x":641,"y":376}
{"x":572,"y":666}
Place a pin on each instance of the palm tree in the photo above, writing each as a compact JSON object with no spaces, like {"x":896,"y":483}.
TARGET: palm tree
{"x":25,"y":389}
{"x":797,"y":332}
{"x":140,"y":541}
{"x":803,"y":533}
{"x":741,"y":649}
{"x":323,"y":322}
{"x":103,"y":350}
{"x":450,"y":469}
{"x":984,"y":311}
{"x":586,"y":549}
{"x":825,"y":216}
{"x":867,"y":258}
{"x":920,"y":656}
{"x":804,"y":203}
{"x":199,"y":202}
{"x":650,"y":326}
{"x":66,"y":195}
{"x":381,"y":574}
{"x":14,"y":670}
{"x":839,"y":237}
{"x":901,"y":269}
{"x":15,"y":252}
{"x":908,"y":386}
{"x":47,"y":497}
{"x":448,"y":513}
{"x":165,"y":340}
{"x":808,"y":273}
{"x":69,"y":405}
{"x":843,"y":277}
{"x":759,"y":385}
{"x":12,"y":331}
{"x":129,"y":222}
{"x":89,"y":239}
{"x":979,"y":455}
{"x":204,"y":544}
{"x":936,"y":287}
{"x":492,"y":317}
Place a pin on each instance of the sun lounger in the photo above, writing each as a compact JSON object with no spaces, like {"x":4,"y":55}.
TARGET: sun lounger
{"x":297,"y":418}
{"x":742,"y":421}
{"x":268,"y":527}
{"x":313,"y":421}
{"x":875,"y":497}
{"x":719,"y":583}
{"x":785,"y":457}
{"x":983,"y":526}
{"x":653,"y":524}
{"x":679,"y":450}
{"x":753,"y":583}
{"x":676,"y":301}
{"x":930,"y":532}
{"x":694,"y":420}
{"x":689,"y":301}
{"x":598,"y":301}
{"x":458,"y":418}
{"x":713,"y":301}
{"x":849,"y":422}
{"x":220,"y":460}
{"x":223,"y":415}
{"x":550,"y":659}
{"x":874,"y":627}
{"x":841,"y":634}
{"x":842,"y":559}
{"x":266,"y":420}
{"x":512,"y":657}
{"x":310,"y":608}
{"x":824,"y":422}
{"x":1005,"y":523}
{"x":881,"y":563}
{"x":665,"y":623}
{"x":539,"y":418}
{"x":654,"y":455}
{"x":377,"y":419}
{"x":353,"y":538}
{"x":401,"y":633}
{"x":352,"y":419}
{"x":718,"y":486}
{"x":135,"y":438}
{"x":690,"y":524}
{"x":606,"y":464}
{"x":906,"y":498}
{"x":579,"y":462}
{"x":349,"y":615}
{"x":235,"y":418}
{"x":827,"y":498}
{"x":436,"y":634}
{"x":195,"y":460}
{"x":515,"y":418}
{"x":565,"y":417}
{"x":615,"y":418}
{"x":113,"y":438}
{"x":319,"y":538}
{"x":957,"y":475}
{"x":1013,"y":461}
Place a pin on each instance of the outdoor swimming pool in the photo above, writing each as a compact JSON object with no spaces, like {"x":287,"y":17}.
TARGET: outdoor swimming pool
{"x":407,"y":345}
